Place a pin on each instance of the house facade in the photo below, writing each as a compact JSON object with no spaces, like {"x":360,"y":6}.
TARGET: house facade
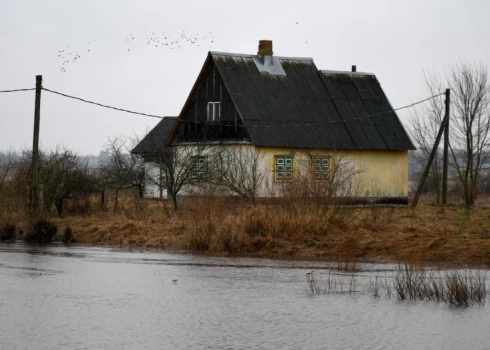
{"x":296,"y":121}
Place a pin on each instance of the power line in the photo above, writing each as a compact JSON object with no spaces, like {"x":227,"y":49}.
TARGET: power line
{"x":102,"y":105}
{"x":17,"y":90}
{"x":282,"y":125}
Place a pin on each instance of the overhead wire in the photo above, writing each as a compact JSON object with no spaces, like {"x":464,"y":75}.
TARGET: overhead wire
{"x":102,"y":105}
{"x":17,"y":90}
{"x":282,"y":125}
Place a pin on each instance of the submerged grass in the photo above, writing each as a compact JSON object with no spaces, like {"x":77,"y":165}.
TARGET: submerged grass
{"x":410,"y":282}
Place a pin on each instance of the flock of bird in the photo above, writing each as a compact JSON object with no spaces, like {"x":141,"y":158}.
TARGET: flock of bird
{"x":163,"y":40}
{"x":173,"y":43}
{"x":69,"y":56}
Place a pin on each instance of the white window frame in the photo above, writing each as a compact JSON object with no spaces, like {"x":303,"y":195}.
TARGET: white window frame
{"x":213,"y":112}
{"x":283,"y":167}
{"x":199,"y":168}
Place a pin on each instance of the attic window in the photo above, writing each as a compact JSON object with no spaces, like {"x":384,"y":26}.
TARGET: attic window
{"x":213,"y":111}
{"x":284,"y":168}
{"x":321,"y":167}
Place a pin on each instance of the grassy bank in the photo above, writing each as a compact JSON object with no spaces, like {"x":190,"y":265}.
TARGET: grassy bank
{"x":451,"y":235}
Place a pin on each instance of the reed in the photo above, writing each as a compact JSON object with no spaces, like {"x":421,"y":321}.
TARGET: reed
{"x":411,"y":282}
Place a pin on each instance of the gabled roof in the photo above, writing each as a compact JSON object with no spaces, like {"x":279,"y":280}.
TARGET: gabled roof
{"x":368,"y":115}
{"x":308,"y":108}
{"x":156,"y":139}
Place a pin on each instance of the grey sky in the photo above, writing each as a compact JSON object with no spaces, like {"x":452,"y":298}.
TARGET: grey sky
{"x":395,"y":40}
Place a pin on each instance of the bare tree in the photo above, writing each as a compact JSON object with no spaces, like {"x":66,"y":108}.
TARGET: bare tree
{"x":179,"y":166}
{"x":470,"y":124}
{"x":11,"y":190}
{"x":7,"y":166}
{"x":122,"y":170}
{"x":238,"y":170}
{"x":63,"y":174}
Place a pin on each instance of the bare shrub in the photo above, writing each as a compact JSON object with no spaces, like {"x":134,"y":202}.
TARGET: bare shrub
{"x":346,"y":263}
{"x":41,"y":232}
{"x":7,"y":232}
{"x":237,"y":170}
{"x":412,"y":282}
{"x":454,"y":288}
{"x":68,"y":235}
{"x":464,"y":289}
{"x":375,"y":286}
{"x":13,"y":188}
{"x":323,"y":199}
{"x":121,"y":170}
{"x":312,"y":284}
{"x":257,"y":225}
{"x":336,"y":283}
{"x":199,"y":236}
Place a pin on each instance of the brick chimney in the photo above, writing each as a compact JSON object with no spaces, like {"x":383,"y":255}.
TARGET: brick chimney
{"x":265,"y":48}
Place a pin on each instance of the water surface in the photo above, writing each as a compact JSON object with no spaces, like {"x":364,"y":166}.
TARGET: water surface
{"x":59,"y":297}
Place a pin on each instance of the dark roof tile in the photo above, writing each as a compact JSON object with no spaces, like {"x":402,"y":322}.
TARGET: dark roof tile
{"x":155,"y":140}
{"x":308,"y":108}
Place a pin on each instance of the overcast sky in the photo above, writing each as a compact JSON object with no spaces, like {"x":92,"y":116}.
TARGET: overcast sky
{"x":395,"y":40}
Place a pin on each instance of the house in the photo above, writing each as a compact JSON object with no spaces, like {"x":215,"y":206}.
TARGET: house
{"x":294,"y":116}
{"x":155,"y":143}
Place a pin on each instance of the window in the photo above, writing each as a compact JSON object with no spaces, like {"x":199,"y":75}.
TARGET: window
{"x":213,"y":111}
{"x":198,"y":171}
{"x":321,"y":167}
{"x":284,"y":168}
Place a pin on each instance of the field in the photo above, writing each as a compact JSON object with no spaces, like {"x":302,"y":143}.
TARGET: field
{"x":452,"y":235}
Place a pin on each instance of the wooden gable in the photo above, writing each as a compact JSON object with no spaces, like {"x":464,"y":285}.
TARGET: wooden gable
{"x":209,"y":96}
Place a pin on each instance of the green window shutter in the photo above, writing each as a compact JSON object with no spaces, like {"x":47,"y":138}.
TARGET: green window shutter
{"x":283,"y":168}
{"x":321,"y":167}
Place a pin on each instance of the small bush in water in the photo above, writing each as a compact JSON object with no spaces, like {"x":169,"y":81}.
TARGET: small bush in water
{"x":7,"y":232}
{"x":68,"y":236}
{"x":42,"y":232}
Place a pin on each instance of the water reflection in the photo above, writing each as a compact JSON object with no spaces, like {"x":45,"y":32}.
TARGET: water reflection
{"x":101,"y":298}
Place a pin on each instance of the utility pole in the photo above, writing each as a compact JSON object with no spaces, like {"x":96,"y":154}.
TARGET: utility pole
{"x":446,"y":148}
{"x":431,"y":157}
{"x":35,"y":186}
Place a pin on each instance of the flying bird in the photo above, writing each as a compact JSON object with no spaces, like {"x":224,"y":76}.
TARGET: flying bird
{"x":68,"y":55}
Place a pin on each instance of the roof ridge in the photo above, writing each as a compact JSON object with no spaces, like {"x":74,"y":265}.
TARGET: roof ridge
{"x":328,"y":71}
{"x":252,"y":56}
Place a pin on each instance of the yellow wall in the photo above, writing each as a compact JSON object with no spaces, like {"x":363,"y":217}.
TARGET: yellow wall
{"x":379,"y":173}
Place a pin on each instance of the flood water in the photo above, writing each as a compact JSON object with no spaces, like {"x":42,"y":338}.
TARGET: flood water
{"x":59,"y":297}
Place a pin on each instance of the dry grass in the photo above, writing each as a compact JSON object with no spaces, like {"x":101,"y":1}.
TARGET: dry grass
{"x":450,"y":235}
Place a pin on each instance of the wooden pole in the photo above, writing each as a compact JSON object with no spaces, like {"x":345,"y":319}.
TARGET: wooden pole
{"x":429,"y":162}
{"x":446,"y":148}
{"x":35,"y":187}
